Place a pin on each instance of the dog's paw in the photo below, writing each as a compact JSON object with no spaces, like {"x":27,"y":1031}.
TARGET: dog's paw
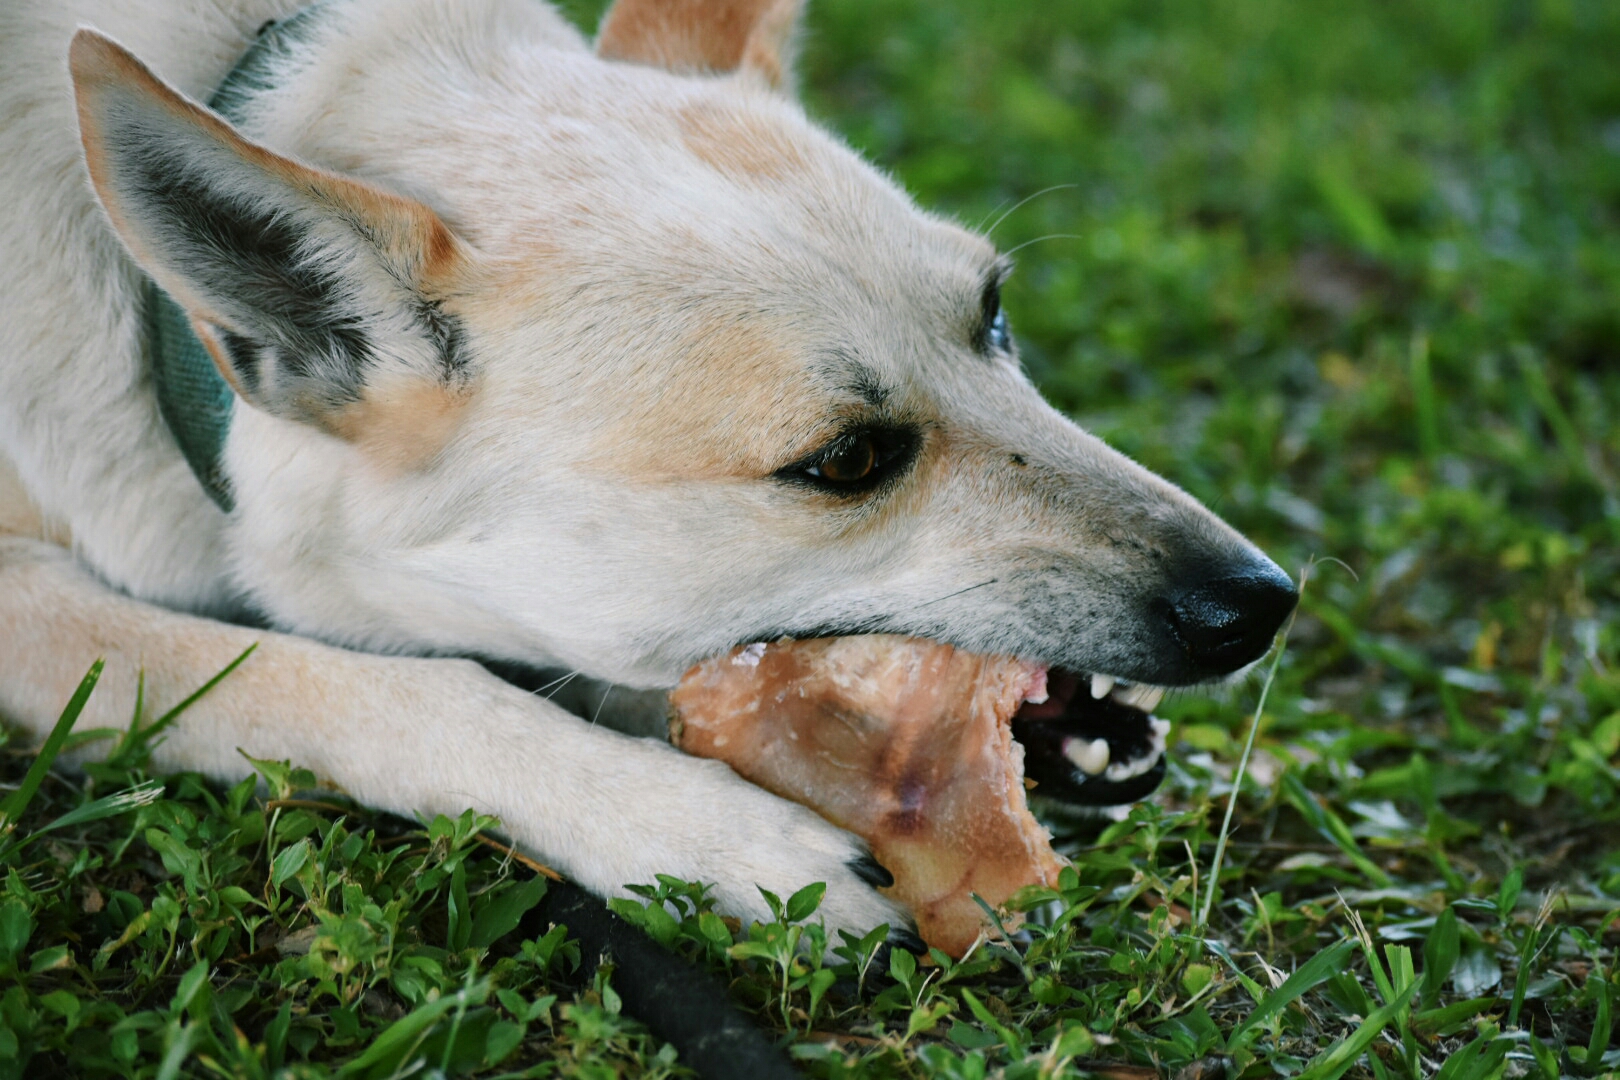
{"x":707,"y":824}
{"x":801,"y":848}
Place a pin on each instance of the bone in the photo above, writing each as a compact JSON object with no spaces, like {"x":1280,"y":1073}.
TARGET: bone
{"x":906,"y":743}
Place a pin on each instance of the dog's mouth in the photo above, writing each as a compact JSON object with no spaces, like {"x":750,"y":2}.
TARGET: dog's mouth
{"x":1091,"y":739}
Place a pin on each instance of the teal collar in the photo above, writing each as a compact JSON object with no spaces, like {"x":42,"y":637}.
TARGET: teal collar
{"x":195,"y":400}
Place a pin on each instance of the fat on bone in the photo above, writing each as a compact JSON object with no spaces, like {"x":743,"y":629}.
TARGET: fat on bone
{"x":905,"y":743}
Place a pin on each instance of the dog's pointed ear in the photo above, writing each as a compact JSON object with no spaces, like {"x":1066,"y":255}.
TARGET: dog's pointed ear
{"x":704,"y":35}
{"x":319,"y":297}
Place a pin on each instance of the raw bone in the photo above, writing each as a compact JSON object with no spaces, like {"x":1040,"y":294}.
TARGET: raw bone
{"x":902,"y":741}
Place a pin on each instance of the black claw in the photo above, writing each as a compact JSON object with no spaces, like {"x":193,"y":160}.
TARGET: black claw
{"x":871,"y":871}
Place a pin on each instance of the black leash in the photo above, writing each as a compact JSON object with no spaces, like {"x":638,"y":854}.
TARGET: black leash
{"x":681,"y":1004}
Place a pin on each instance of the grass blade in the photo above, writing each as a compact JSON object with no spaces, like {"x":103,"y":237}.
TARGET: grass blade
{"x":1601,"y":1029}
{"x":1334,"y":1063}
{"x":1480,"y":1059}
{"x":1332,"y":828}
{"x":1311,"y":974}
{"x":1202,"y":919}
{"x":1440,"y":951}
{"x":18,"y":800}
{"x":156,"y":727}
{"x":405,"y":1035}
{"x":107,"y":806}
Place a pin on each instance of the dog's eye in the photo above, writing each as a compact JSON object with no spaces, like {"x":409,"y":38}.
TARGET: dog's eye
{"x":856,"y":462}
{"x":993,"y":333}
{"x":997,"y":336}
{"x":852,"y":460}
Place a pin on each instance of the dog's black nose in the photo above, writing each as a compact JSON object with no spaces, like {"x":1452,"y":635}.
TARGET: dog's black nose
{"x":1226,"y":623}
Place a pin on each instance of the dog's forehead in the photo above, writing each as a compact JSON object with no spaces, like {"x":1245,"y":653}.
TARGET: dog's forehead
{"x":688,"y":177}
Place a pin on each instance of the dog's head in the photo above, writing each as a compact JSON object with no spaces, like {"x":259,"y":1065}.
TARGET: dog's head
{"x":614,"y":360}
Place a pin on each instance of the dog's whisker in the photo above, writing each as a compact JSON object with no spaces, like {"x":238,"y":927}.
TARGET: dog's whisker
{"x":1022,"y":202}
{"x":600,"y":705}
{"x":994,"y":210}
{"x":558,"y":683}
{"x":1048,"y":236}
{"x":958,"y":592}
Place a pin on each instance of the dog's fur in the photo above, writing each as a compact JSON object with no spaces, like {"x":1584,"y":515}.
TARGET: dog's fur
{"x":534,"y":343}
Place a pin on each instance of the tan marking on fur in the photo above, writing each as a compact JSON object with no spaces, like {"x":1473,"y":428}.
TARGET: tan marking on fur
{"x":402,"y":425}
{"x":441,"y":253}
{"x":702,"y":35}
{"x":739,"y":144}
{"x":769,"y":49}
{"x":731,"y":423}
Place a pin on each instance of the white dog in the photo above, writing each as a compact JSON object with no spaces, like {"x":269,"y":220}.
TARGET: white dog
{"x":446,"y":334}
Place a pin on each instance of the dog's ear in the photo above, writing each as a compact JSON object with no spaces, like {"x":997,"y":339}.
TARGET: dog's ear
{"x":317,"y":296}
{"x":704,"y":35}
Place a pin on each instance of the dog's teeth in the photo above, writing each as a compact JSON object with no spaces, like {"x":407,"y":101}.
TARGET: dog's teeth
{"x":1038,"y":693}
{"x":1089,"y":757}
{"x":1101,"y":685}
{"x":1146,"y":698}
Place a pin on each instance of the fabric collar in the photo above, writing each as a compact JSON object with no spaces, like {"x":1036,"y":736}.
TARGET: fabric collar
{"x":195,"y":400}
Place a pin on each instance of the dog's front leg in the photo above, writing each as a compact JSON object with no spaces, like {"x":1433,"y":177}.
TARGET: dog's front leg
{"x":420,"y":736}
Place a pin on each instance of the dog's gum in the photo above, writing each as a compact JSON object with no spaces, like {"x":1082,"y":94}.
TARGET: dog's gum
{"x":905,"y":743}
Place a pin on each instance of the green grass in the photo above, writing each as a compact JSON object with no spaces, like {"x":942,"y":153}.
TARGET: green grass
{"x":1349,"y":272}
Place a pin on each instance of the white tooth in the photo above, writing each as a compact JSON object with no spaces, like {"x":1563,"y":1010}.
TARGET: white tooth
{"x":1145,"y":698}
{"x":1099,"y":755}
{"x":1100,"y":685}
{"x":1089,"y":757}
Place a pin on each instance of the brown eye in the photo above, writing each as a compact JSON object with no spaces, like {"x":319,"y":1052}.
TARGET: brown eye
{"x":857,"y":462}
{"x":850,"y":462}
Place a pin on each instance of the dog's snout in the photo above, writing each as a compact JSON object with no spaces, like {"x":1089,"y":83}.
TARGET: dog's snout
{"x":1228,"y":622}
